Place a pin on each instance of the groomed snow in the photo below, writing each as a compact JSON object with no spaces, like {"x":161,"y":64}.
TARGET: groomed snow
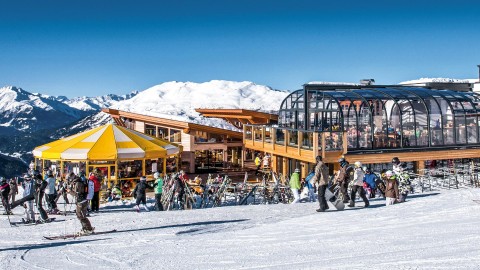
{"x":434,"y":230}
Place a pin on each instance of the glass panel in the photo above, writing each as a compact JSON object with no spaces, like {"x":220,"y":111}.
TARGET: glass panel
{"x":460,"y":130}
{"x":268,"y":134}
{"x":333,"y":141}
{"x":307,"y":140}
{"x":248,"y":132}
{"x":436,"y":136}
{"x":292,"y":138}
{"x":351,"y":128}
{"x":162,"y":133}
{"x":380,"y":139}
{"x":364,"y":127}
{"x":153,"y":165}
{"x":175,"y":135}
{"x":448,"y":129}
{"x":150,"y":130}
{"x":130,"y":169}
{"x":257,"y":131}
{"x":408,"y":124}
{"x":280,"y":136}
{"x":472,"y":129}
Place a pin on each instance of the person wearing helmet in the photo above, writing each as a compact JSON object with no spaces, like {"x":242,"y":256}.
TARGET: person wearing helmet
{"x":158,"y":186}
{"x":343,"y":177}
{"x":80,"y":189}
{"x":397,"y":166}
{"x":95,"y":201}
{"x":28,"y":191}
{"x":391,"y":188}
{"x":404,"y":184}
{"x":4,"y":192}
{"x":40,"y":185}
{"x":358,"y":178}
{"x":370,"y":182}
{"x":321,"y":180}
{"x":295,"y":185}
{"x":139,"y":193}
{"x":13,"y":190}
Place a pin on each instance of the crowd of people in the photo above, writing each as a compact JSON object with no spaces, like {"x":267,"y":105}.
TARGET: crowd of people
{"x":394,"y":185}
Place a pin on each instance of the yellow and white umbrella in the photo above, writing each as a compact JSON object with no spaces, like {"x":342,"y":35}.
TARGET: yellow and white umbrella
{"x":107,"y":142}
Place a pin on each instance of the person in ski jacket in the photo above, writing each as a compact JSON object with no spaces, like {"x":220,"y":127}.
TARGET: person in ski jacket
{"x":180,"y":191}
{"x":397,"y":166}
{"x":370,"y":182}
{"x":158,"y":186}
{"x":116,"y":193}
{"x":4,"y":192}
{"x":391,"y":188}
{"x":28,"y":194}
{"x":50,"y":193}
{"x":310,"y":186}
{"x":80,"y":189}
{"x":258,"y":163}
{"x":343,"y":177}
{"x":91,"y":191}
{"x":320,"y":179}
{"x":96,"y":192}
{"x":13,"y":190}
{"x":40,"y":186}
{"x":63,"y":186}
{"x":358,"y":177}
{"x":295,"y":185}
{"x":139,"y":193}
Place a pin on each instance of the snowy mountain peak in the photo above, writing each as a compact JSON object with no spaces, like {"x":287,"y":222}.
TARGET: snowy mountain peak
{"x":178,"y":100}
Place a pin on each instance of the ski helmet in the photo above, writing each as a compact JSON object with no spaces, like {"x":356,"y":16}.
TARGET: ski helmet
{"x":318,"y":158}
{"x":297,"y":170}
{"x":395,"y":160}
{"x":156,"y":175}
{"x":389,"y":174}
{"x":358,"y":164}
{"x":143,"y":178}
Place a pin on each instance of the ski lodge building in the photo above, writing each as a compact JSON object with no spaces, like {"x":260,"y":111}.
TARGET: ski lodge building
{"x":424,"y":125}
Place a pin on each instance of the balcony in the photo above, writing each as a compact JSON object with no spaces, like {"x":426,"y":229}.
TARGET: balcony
{"x":301,"y":145}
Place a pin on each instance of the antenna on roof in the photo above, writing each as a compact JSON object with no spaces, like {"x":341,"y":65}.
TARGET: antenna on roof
{"x":367,"y":81}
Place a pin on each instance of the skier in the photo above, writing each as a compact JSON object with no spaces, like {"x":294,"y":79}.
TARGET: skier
{"x":96,"y":191}
{"x":13,"y":190}
{"x":28,"y":194}
{"x":320,"y":179}
{"x":139,"y":194}
{"x":370,"y":182}
{"x":80,"y":190}
{"x":358,"y":177}
{"x":343,"y":178}
{"x":391,"y":188}
{"x":62,"y":188}
{"x":90,"y":191}
{"x":40,"y":185}
{"x":158,"y":191}
{"x":4,"y":192}
{"x":310,"y":187}
{"x":295,"y":185}
{"x":116,"y":193}
{"x":50,"y":193}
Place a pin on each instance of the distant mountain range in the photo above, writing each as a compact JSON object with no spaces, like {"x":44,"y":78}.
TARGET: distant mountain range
{"x":31,"y":119}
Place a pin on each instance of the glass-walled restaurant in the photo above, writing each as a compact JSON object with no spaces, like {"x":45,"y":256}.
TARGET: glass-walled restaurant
{"x":380,"y":118}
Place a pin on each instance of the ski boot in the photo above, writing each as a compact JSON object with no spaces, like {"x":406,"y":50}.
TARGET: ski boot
{"x":85,"y":232}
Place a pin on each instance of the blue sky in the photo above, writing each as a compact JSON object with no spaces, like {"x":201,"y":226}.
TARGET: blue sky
{"x":98,"y":47}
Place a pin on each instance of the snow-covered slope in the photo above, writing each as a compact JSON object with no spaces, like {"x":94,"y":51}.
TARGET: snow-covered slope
{"x":430,"y":231}
{"x":97,"y":103}
{"x":178,"y":100}
{"x":24,"y":111}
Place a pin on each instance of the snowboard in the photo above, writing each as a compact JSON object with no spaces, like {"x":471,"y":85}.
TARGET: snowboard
{"x":75,"y":235}
{"x":334,"y":200}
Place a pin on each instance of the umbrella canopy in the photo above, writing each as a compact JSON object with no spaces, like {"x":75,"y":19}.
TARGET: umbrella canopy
{"x":106,"y":143}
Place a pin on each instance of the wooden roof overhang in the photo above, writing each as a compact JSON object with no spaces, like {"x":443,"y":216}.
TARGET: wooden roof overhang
{"x":185,"y":126}
{"x":239,"y":117}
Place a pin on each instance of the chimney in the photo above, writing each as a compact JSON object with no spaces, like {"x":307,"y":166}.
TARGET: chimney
{"x":367,"y":81}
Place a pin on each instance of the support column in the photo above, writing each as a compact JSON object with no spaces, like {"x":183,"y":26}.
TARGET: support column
{"x":284,"y":166}
{"x":274,"y":163}
{"x":242,"y":161}
{"x":420,"y":167}
{"x":303,"y":169}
